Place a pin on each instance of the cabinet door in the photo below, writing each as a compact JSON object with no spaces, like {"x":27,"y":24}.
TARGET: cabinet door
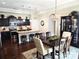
{"x":74,"y":31}
{"x":66,"y":24}
{"x":0,"y":41}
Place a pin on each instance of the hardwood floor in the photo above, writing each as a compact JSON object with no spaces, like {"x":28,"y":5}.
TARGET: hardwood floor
{"x":11,"y":50}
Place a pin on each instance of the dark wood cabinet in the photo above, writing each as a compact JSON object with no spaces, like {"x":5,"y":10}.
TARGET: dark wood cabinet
{"x":66,"y":24}
{"x":70,"y":23}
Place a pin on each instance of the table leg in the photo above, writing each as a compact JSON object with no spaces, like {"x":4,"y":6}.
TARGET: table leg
{"x":53,"y":54}
{"x":59,"y":51}
{"x":59,"y":55}
{"x":0,"y":41}
{"x":27,"y":37}
{"x":19,"y":37}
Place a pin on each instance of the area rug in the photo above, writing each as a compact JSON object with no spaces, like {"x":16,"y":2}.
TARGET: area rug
{"x":30,"y":54}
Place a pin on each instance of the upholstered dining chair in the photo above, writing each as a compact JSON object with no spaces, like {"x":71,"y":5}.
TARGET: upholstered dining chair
{"x":65,"y":43}
{"x":41,"y":49}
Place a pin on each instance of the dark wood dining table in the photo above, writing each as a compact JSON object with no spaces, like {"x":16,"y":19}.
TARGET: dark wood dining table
{"x":53,"y":43}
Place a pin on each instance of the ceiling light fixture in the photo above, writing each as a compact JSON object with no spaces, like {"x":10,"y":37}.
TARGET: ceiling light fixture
{"x":3,"y":3}
{"x":53,"y":16}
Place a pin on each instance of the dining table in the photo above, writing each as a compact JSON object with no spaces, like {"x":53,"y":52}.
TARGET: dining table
{"x":53,"y":41}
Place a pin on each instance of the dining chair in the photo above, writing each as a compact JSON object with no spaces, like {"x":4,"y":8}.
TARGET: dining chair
{"x":48,"y":34}
{"x":65,"y":43}
{"x":43,"y":36}
{"x":41,"y":49}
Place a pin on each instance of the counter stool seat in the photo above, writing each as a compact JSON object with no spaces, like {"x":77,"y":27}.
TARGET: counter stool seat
{"x":37,"y":35}
{"x":31,"y":37}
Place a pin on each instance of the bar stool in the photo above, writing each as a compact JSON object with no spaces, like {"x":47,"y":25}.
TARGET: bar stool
{"x":23,"y":39}
{"x":14,"y":37}
{"x":31,"y":37}
{"x":0,"y":41}
{"x":37,"y":35}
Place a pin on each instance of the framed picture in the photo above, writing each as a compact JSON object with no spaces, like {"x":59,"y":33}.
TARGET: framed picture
{"x":42,"y":23}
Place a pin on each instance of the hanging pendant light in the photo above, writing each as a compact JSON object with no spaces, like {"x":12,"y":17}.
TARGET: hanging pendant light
{"x":53,"y":16}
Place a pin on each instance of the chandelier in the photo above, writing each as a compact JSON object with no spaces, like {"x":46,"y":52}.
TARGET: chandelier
{"x":53,"y":15}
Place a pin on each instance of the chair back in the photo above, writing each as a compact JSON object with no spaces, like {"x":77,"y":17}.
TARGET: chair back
{"x":39,"y":45}
{"x":68,"y":37}
{"x":66,"y":34}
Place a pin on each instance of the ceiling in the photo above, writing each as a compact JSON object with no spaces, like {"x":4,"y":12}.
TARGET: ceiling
{"x":35,"y":5}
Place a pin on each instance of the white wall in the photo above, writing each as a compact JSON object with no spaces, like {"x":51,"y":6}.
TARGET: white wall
{"x":35,"y":24}
{"x":48,"y":24}
{"x":51,"y":26}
